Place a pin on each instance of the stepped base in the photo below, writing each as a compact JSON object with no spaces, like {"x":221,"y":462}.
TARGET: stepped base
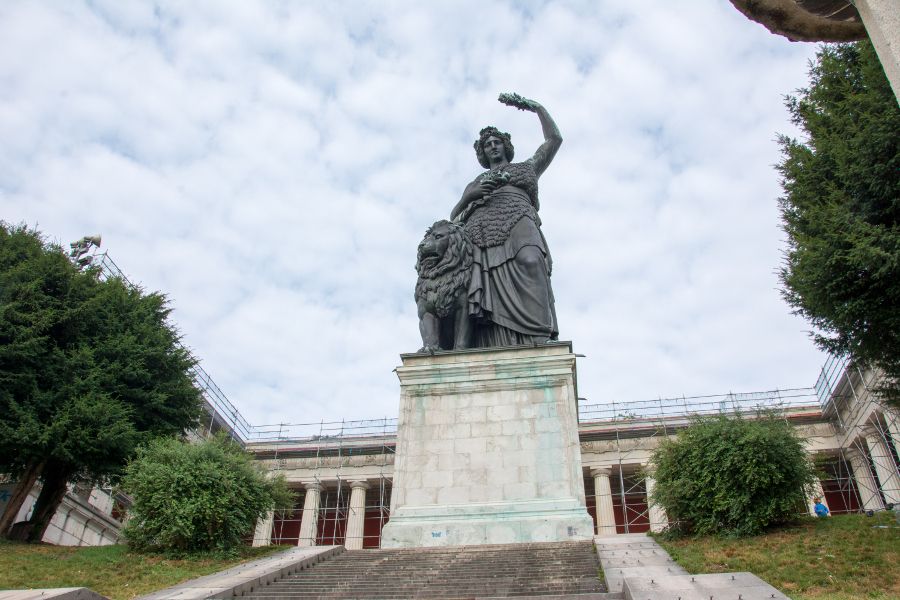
{"x":638,"y":568}
{"x":633,"y":555}
{"x":492,"y":523}
{"x":556,"y":570}
{"x":700,"y":587}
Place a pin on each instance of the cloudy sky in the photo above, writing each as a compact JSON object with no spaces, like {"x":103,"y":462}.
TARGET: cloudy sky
{"x":272,"y":166}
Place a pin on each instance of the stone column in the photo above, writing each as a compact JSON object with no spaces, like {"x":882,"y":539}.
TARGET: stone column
{"x":357,"y":515}
{"x":262,"y":536}
{"x":865,"y":483}
{"x":606,"y":518}
{"x":882,"y":21}
{"x":885,"y":467}
{"x":893,"y":423}
{"x":658,"y":518}
{"x":310,"y":520}
{"x":817,"y":492}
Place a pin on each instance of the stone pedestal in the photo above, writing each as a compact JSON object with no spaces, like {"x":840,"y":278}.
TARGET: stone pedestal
{"x":487,"y":449}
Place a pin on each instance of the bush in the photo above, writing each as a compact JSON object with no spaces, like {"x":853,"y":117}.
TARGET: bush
{"x":732,"y":476}
{"x":196,"y":497}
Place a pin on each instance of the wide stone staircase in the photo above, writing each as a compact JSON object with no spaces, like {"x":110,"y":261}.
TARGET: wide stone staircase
{"x":567,"y":569}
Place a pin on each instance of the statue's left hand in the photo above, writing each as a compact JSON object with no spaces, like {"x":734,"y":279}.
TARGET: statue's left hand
{"x":520,"y":102}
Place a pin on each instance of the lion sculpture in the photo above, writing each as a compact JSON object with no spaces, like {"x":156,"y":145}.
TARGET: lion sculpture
{"x":444,"y":265}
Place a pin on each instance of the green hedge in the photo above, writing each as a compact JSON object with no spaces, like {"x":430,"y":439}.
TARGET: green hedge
{"x":732,"y":475}
{"x":196,"y":497}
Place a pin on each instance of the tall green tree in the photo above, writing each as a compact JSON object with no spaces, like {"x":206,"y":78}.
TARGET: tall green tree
{"x":89,"y":369}
{"x":841,"y":209}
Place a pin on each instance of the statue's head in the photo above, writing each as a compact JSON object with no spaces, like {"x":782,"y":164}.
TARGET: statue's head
{"x":489,"y":132}
{"x":444,"y":248}
{"x":437,"y":239}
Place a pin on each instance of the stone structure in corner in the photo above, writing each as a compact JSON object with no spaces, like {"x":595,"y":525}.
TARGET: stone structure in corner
{"x":487,"y":449}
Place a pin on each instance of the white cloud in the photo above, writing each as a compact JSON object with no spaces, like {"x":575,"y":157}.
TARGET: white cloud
{"x":273,"y":167}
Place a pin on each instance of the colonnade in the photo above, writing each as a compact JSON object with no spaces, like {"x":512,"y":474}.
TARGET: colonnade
{"x":885,"y":467}
{"x":869,"y":449}
{"x":309,"y":520}
{"x":606,"y":517}
{"x":356,"y":516}
{"x":873,"y":494}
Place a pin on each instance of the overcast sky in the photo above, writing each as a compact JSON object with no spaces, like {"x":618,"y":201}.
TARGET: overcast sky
{"x":271,"y":167}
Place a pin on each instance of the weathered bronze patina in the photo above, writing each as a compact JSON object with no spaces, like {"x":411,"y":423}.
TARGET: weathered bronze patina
{"x":508,"y":300}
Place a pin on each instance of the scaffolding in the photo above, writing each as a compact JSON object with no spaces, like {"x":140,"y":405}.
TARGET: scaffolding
{"x":861,"y":472}
{"x":864,"y":473}
{"x":628,"y":432}
{"x":856,"y":456}
{"x":326,"y":451}
{"x":219,"y":413}
{"x":327,"y":443}
{"x":329,"y":457}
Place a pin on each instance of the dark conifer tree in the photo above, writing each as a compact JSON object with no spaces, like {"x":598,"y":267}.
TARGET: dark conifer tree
{"x":89,"y":369}
{"x":841,"y":209}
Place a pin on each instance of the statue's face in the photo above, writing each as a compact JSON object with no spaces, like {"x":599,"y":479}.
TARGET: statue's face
{"x":494,"y":149}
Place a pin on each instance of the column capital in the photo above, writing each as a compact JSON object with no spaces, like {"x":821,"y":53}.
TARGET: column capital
{"x":600,"y":471}
{"x":359,"y":483}
{"x":312,"y":486}
{"x":852,"y":453}
{"x":869,"y":431}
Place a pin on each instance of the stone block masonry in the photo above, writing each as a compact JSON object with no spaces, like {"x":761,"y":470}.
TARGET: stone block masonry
{"x":487,"y":449}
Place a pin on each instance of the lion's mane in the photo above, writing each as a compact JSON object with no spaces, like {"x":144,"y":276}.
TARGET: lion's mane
{"x":440,"y":283}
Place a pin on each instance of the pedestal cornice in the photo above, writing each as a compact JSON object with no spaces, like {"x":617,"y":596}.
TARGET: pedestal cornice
{"x":487,"y":370}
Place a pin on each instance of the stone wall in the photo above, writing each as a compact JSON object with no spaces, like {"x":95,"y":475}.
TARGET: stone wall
{"x":79,"y":521}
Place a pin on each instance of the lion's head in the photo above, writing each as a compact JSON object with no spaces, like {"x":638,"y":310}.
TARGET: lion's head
{"x":444,"y":263}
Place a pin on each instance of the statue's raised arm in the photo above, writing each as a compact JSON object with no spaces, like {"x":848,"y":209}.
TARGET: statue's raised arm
{"x":552,"y":138}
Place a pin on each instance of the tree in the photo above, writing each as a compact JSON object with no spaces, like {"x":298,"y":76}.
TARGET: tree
{"x":841,"y":209}
{"x":732,"y":475}
{"x":197,"y":497}
{"x":89,"y":369}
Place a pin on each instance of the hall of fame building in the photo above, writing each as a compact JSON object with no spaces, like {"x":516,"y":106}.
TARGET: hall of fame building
{"x":343,"y":472}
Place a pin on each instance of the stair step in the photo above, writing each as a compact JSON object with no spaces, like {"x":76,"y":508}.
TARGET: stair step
{"x":500,"y":571}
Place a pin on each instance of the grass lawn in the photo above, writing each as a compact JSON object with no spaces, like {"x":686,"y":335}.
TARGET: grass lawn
{"x":109,"y":570}
{"x":839,"y":558}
